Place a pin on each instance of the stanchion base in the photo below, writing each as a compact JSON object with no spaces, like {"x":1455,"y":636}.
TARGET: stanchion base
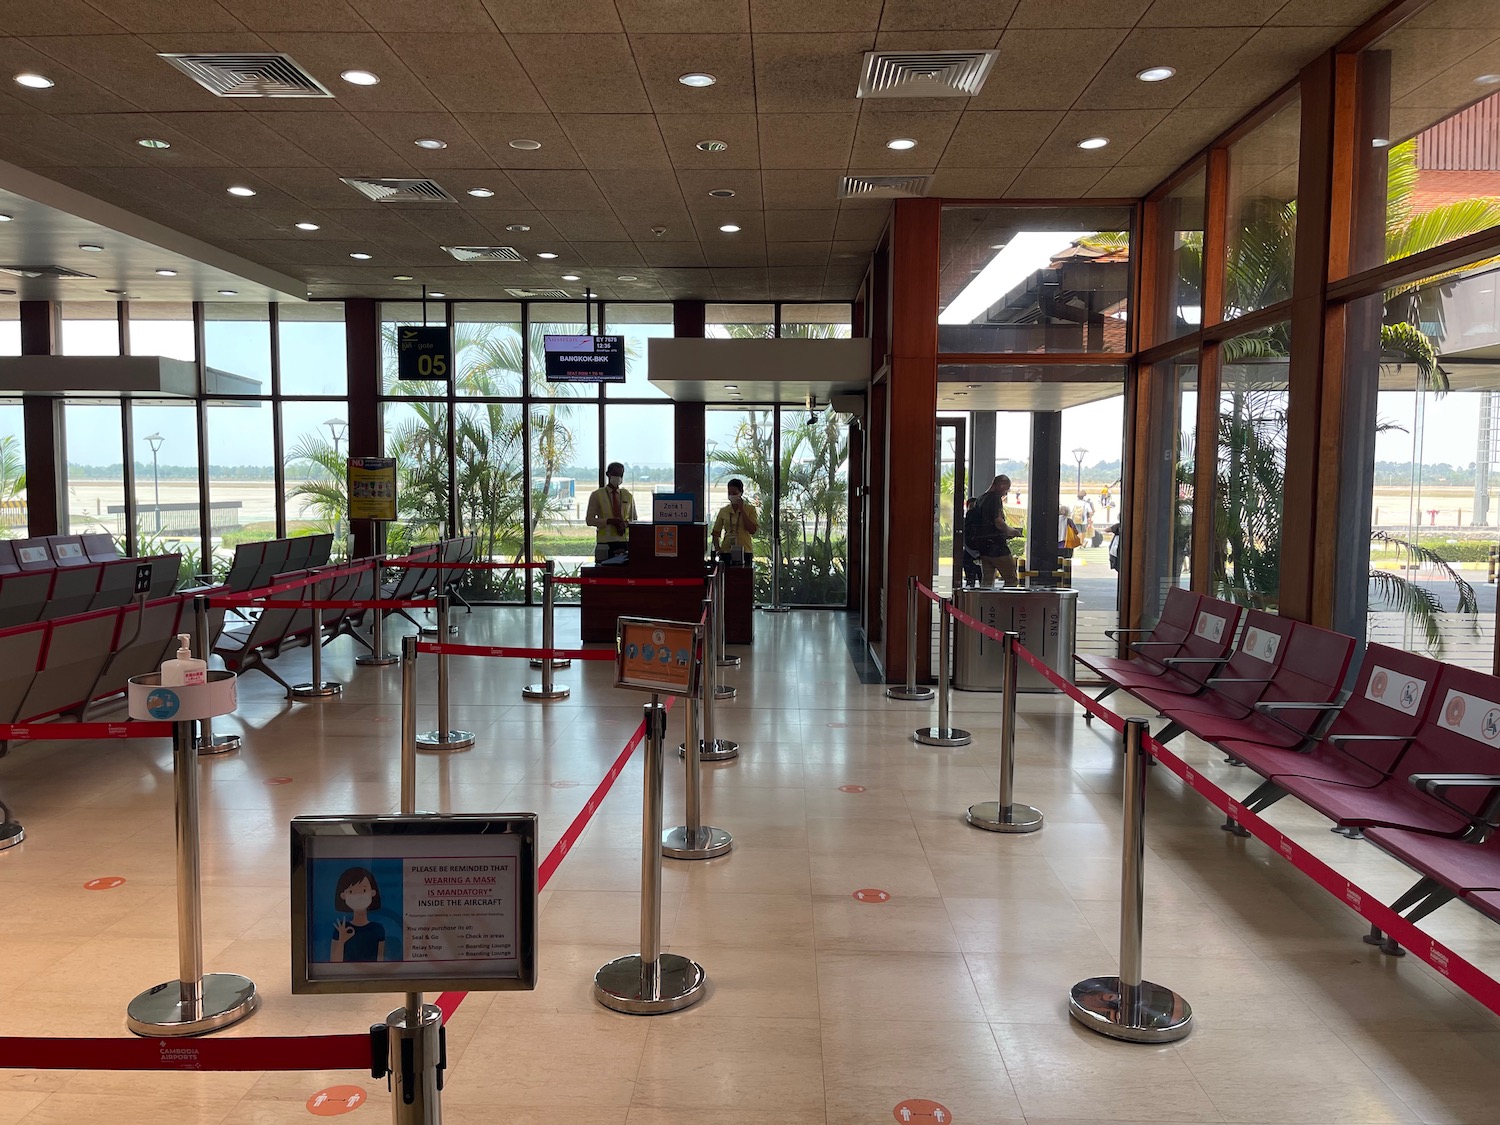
{"x":1161,"y":1017}
{"x":11,"y":834}
{"x":536,"y":662}
{"x":218,"y":744}
{"x":942,"y":736}
{"x":706,"y":843}
{"x":911,"y":695}
{"x":724,"y":691}
{"x":325,"y":690}
{"x":729,"y":662}
{"x":372,"y":660}
{"x":720,"y":750}
{"x":1015,"y":818}
{"x":227,"y":999}
{"x":537,"y":691}
{"x":450,"y":740}
{"x":624,"y":986}
{"x":432,"y":630}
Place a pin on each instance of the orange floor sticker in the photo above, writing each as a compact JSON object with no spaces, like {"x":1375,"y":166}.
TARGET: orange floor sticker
{"x":107,"y":883}
{"x":278,"y":781}
{"x":336,"y":1100}
{"x":920,"y":1111}
{"x":851,"y":788}
{"x":872,"y":894}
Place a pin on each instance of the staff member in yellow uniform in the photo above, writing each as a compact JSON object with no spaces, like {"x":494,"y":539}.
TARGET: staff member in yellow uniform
{"x":736,"y":526}
{"x":611,"y":511}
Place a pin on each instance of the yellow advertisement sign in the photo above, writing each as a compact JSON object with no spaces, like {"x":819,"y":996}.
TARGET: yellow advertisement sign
{"x":372,"y":488}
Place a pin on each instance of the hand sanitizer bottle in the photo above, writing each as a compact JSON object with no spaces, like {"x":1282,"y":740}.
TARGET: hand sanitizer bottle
{"x":184,"y":671}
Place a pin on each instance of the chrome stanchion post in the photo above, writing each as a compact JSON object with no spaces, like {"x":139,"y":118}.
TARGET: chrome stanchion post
{"x":377,"y":656}
{"x":11,"y":832}
{"x":910,"y":690}
{"x":714,"y":749}
{"x":714,"y":643}
{"x":721,"y":595}
{"x":318,"y":688}
{"x":445,"y":737}
{"x":943,"y":734}
{"x":1005,"y":815}
{"x":409,"y":723}
{"x":694,"y":839}
{"x":549,"y":572}
{"x":547,"y":689}
{"x":1127,"y":1007}
{"x":776,"y":560}
{"x":650,"y":982}
{"x":193,"y":1003}
{"x":208,"y":742}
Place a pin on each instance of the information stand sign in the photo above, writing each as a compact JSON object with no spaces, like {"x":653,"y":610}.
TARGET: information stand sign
{"x":656,"y":656}
{"x":414,"y":903}
{"x":372,"y":488}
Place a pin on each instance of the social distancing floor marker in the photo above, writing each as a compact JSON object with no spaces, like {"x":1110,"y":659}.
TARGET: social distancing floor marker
{"x":563,"y":784}
{"x":278,"y":781}
{"x":851,"y":788}
{"x":105,"y":883}
{"x":872,"y":894}
{"x":336,"y":1100}
{"x":920,"y":1111}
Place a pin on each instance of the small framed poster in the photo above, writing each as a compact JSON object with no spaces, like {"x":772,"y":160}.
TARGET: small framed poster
{"x":372,"y":488}
{"x":657,"y":656}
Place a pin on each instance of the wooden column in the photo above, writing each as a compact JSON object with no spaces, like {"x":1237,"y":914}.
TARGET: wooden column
{"x":366,"y":437}
{"x":690,"y":419}
{"x":1210,"y":367}
{"x":42,"y":424}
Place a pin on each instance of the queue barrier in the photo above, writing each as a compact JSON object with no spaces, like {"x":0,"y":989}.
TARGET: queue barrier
{"x":944,"y":734}
{"x":591,"y":581}
{"x":437,"y":648}
{"x":409,"y":561}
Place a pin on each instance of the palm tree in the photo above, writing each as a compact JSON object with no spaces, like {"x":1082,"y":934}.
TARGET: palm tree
{"x":12,"y":472}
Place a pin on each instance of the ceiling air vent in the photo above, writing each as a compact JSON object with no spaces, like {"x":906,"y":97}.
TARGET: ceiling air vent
{"x":258,"y":75}
{"x":398,"y":190}
{"x":485,"y":253}
{"x":556,"y":294}
{"x":44,"y":271}
{"x":883,"y":187}
{"x":925,"y":74}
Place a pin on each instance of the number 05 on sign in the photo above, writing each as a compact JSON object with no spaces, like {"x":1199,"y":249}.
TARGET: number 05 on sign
{"x":422,"y":353}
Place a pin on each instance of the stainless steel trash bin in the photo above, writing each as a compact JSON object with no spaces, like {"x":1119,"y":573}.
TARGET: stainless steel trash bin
{"x":1046,"y":619}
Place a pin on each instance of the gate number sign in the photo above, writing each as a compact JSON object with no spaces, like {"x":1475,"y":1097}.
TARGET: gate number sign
{"x":423,"y":353}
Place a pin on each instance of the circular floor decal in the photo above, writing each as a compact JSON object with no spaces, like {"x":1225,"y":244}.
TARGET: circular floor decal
{"x":851,"y":788}
{"x":278,"y":781}
{"x":107,"y":883}
{"x":872,"y":894}
{"x":920,"y":1111}
{"x":336,"y":1100}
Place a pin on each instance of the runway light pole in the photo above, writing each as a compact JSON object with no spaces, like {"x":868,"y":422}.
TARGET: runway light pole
{"x":1078,"y":455}
{"x":155,"y":441}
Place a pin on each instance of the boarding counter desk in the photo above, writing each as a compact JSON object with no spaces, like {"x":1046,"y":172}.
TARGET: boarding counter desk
{"x":601,"y":606}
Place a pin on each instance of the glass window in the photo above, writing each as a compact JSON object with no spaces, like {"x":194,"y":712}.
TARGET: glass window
{"x":1181,"y":258}
{"x":314,"y":352}
{"x":237,"y":346}
{"x":814,"y":508}
{"x":1261,"y":229}
{"x":241,"y":476}
{"x":315,"y":451}
{"x":162,"y":328}
{"x":1166,"y":559}
{"x":10,"y":328}
{"x":166,"y":481}
{"x":93,"y":432}
{"x":90,"y":328}
{"x":416,"y":435}
{"x":740,"y":322}
{"x":1034,"y":279}
{"x":816,"y":322}
{"x":1251,"y":470}
{"x":638,"y":324}
{"x":487,"y":348}
{"x":13,"y":518}
{"x":565,"y":469}
{"x":742,"y":444}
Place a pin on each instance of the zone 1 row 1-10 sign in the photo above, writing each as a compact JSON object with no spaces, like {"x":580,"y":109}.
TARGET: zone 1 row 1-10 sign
{"x":584,"y":359}
{"x":423,"y":353}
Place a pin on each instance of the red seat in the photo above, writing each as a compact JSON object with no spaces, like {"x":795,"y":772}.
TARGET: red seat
{"x":1243,"y":678}
{"x":1458,"y":864}
{"x":1173,"y":628}
{"x":1486,"y":902}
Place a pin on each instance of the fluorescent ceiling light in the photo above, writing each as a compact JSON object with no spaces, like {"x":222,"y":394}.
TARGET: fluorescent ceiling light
{"x":430,"y":143}
{"x":1026,"y":252}
{"x":241,"y":191}
{"x":35,"y":81}
{"x":526,"y":145}
{"x":1093,"y":142}
{"x":627,"y":277}
{"x":901,"y":144}
{"x":307,"y":226}
{"x":1156,"y":73}
{"x":153,"y":142}
{"x":481,"y":192}
{"x":697,"y":80}
{"x":546,"y":254}
{"x":360,"y":77}
{"x":570,"y":277}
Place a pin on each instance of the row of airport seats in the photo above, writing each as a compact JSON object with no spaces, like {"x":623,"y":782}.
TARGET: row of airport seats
{"x":1408,"y":758}
{"x":53,"y":576}
{"x":254,"y":564}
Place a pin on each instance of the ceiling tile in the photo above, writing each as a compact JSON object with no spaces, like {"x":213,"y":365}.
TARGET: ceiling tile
{"x":1325,"y":13}
{"x":861,"y":222}
{"x":401,"y":131}
{"x":696,"y":184}
{"x":339,"y":140}
{"x":941,"y":15}
{"x":551,"y":191}
{"x":54,"y":57}
{"x":806,"y":140}
{"x":671,"y":218}
{"x":1079,"y":13}
{"x":1052,"y":183}
{"x":1131,"y":182}
{"x":317,"y":187}
{"x":471,"y":71}
{"x":616,"y":140}
{"x":608,"y":83}
{"x":973,"y":183}
{"x":752,"y":229}
{"x":663,"y":59}
{"x":541,"y":236}
{"x":302,"y":253}
{"x":1195,"y":53}
{"x":801,"y":226}
{"x":305,"y":15}
{"x":799,"y":188}
{"x":1195,"y":13}
{"x":672,"y":253}
{"x":739,"y":254}
{"x":683,"y":131}
{"x":495,"y":131}
{"x":56,"y":142}
{"x":684,"y":15}
{"x":795,"y":253}
{"x":1123,"y":128}
{"x":122,"y":130}
{"x":326,"y":55}
{"x":1179,"y":136}
{"x":215,"y":182}
{"x":843,"y":249}
{"x":1044,"y":69}
{"x":808,"y":73}
{"x":525,"y":16}
{"x":1262,"y":66}
{"x":823,"y":15}
{"x":610,"y":254}
{"x":241,"y":136}
{"x":931,"y":131}
{"x":688,"y":283}
{"x":1006,"y":138}
{"x":171,"y":15}
{"x":423,"y":15}
{"x":974,"y":40}
{"x":56,"y":17}
{"x":449,"y":225}
{"x":458,"y":181}
{"x":589,"y":226}
{"x":636,"y":191}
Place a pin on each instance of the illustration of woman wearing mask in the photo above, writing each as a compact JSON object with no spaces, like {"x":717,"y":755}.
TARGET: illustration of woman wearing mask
{"x":359,"y":939}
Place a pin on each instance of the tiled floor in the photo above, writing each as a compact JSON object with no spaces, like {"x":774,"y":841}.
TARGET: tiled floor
{"x":821,"y":1008}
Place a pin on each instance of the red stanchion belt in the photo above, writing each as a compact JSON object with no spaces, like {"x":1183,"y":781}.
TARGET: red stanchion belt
{"x":629,"y":581}
{"x":60,"y":732}
{"x":409,"y":563}
{"x":239,"y":597}
{"x":1468,"y":977}
{"x":529,"y":653}
{"x":928,"y":594}
{"x":328,"y":603}
{"x":978,"y":626}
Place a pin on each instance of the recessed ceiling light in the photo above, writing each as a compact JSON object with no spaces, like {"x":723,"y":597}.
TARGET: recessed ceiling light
{"x":35,"y":81}
{"x":430,"y":142}
{"x":360,"y":77}
{"x":697,"y":80}
{"x":481,"y":192}
{"x":1488,"y":80}
{"x":517,"y":228}
{"x":731,"y":386}
{"x":901,"y":144}
{"x":401,"y":277}
{"x":153,"y":142}
{"x":1156,"y":73}
{"x":4,"y":218}
{"x":722,"y":193}
{"x":361,"y":255}
{"x":91,"y":247}
{"x":627,"y":277}
{"x":166,"y":273}
{"x":1380,"y":142}
{"x":229,"y":292}
{"x":241,"y":191}
{"x":712,"y":146}
{"x":435,"y":294}
{"x":570,"y":277}
{"x":1093,"y":142}
{"x":546,"y":254}
{"x":307,"y":226}
{"x":730,"y":228}
{"x":526,"y":145}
